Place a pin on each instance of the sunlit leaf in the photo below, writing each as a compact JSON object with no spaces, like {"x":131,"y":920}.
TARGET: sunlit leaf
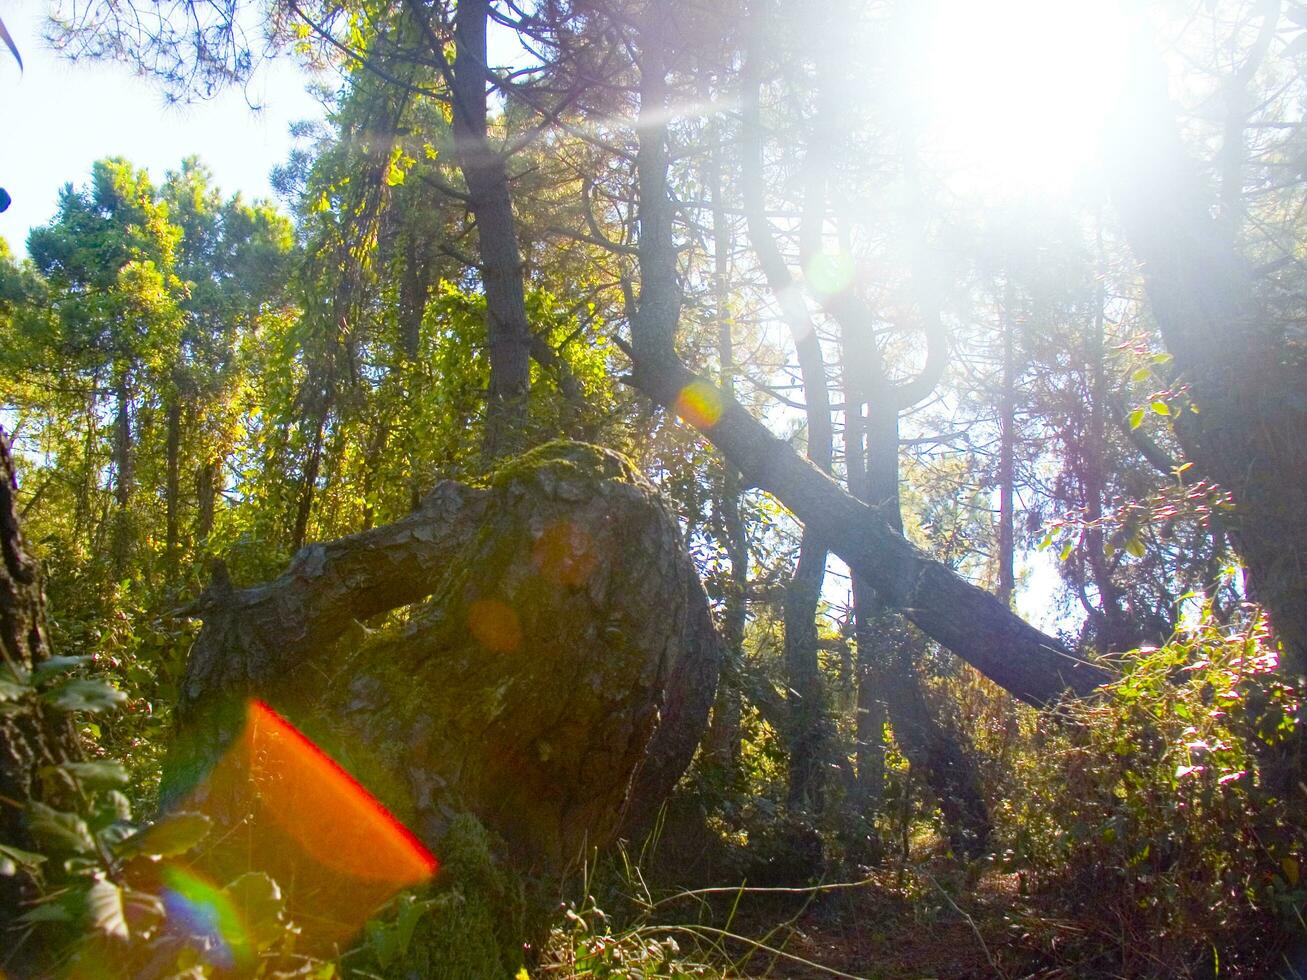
{"x":13,"y":858}
{"x":104,"y":909}
{"x":1136,"y":418}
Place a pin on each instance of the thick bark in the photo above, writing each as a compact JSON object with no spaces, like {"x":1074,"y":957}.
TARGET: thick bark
{"x":558,"y":679}
{"x":1246,"y":378}
{"x":508,"y":333}
{"x":34,"y":737}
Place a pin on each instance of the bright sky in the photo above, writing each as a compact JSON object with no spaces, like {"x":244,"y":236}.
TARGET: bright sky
{"x":56,"y":119}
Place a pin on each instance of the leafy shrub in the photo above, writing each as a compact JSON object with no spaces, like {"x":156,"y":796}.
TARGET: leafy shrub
{"x":1167,"y":815}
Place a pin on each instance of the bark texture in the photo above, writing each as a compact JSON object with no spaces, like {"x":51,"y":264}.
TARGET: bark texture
{"x":556,"y":679}
{"x":34,"y":736}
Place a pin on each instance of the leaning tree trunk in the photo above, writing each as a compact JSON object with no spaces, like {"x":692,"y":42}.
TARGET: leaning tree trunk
{"x":551,"y":678}
{"x":967,"y":620}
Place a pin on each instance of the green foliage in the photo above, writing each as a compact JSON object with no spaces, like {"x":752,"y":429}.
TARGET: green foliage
{"x":1160,"y":811}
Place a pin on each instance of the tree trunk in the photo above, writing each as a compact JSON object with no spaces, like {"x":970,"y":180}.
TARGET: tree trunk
{"x":723,"y":740}
{"x":508,"y":333}
{"x":35,"y":738}
{"x":809,"y":728}
{"x":172,"y":490}
{"x":124,"y":475}
{"x":972,"y":623}
{"x":557,"y":681}
{"x":1242,"y":373}
{"x":1007,"y":423}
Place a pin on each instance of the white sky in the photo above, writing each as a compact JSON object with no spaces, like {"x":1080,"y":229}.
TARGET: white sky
{"x":56,"y":119}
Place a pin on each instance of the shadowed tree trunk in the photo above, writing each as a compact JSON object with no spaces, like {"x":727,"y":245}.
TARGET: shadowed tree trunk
{"x":508,"y":334}
{"x":1239,"y":367}
{"x":808,"y":728}
{"x":35,"y":738}
{"x":556,"y":680}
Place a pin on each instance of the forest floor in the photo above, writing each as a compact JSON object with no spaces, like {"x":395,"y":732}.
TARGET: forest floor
{"x":924,"y":919}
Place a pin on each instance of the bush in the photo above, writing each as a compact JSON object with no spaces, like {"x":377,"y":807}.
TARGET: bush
{"x":1167,"y":815}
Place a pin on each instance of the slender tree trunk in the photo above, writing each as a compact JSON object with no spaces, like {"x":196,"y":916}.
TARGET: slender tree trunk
{"x":508,"y":333}
{"x":172,"y":491}
{"x":889,"y":661}
{"x":1007,"y":450}
{"x":809,"y":726}
{"x":723,"y":740}
{"x":123,"y":464}
{"x":412,"y":308}
{"x":206,"y":492}
{"x":972,"y":623}
{"x":1114,"y":631}
{"x":308,"y":485}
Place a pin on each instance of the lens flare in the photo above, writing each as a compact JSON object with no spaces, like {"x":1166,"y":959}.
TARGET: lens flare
{"x":829,"y":274}
{"x":494,"y":625}
{"x":564,"y":554}
{"x":334,"y":819}
{"x":206,"y":913}
{"x":700,"y":404}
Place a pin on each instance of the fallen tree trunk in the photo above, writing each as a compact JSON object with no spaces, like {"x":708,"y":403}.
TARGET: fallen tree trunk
{"x":556,"y":680}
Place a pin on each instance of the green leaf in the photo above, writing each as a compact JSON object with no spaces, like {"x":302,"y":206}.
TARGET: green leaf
{"x":103,"y":774}
{"x":49,"y":912}
{"x":86,"y":694}
{"x":13,"y":858}
{"x":1136,"y":418}
{"x":58,"y":665}
{"x":104,"y":908}
{"x":1161,"y":408}
{"x":1141,"y":374}
{"x":12,"y":690}
{"x":1135,"y":547}
{"x":59,"y":830}
{"x":174,"y":835}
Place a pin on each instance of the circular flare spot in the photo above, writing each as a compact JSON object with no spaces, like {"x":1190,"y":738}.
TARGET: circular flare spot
{"x":700,"y":404}
{"x":830,"y":274}
{"x":494,"y":625}
{"x":564,"y":554}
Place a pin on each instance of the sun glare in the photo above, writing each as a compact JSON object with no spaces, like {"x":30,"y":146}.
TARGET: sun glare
{"x":1020,"y":89}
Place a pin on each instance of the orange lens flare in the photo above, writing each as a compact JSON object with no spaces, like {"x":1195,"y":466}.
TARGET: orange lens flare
{"x":324,"y":809}
{"x":700,"y":404}
{"x":564,"y":554}
{"x":494,"y":625}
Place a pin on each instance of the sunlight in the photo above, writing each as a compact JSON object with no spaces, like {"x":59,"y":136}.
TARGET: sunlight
{"x":1020,"y":89}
